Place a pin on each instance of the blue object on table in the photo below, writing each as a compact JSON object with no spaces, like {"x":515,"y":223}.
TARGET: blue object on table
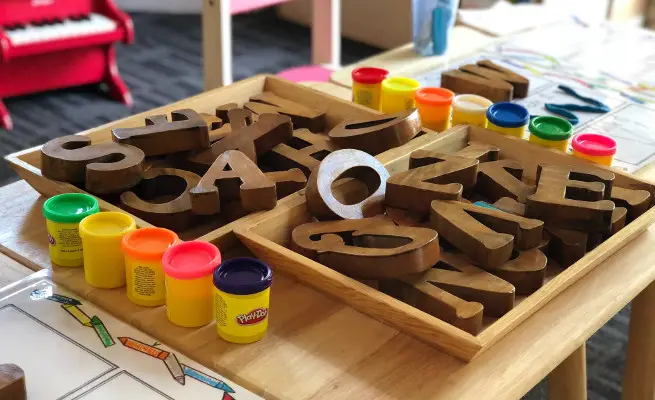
{"x":432,"y":20}
{"x":565,"y":110}
{"x":484,"y":204}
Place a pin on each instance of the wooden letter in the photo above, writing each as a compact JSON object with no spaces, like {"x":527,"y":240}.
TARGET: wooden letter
{"x":566,"y":246}
{"x":287,"y":182}
{"x":619,"y":216}
{"x":350,"y":163}
{"x":526,"y":270}
{"x":402,"y":217}
{"x":252,"y":140}
{"x":635,"y":200}
{"x":486,"y":79}
{"x":417,"y":188}
{"x":454,"y":291}
{"x":369,"y":248}
{"x":378,"y":134}
{"x":459,"y":277}
{"x":172,"y":185}
{"x":572,"y":198}
{"x":484,"y":234}
{"x":465,"y":315}
{"x":492,"y":70}
{"x":502,"y":178}
{"x":187,"y":130}
{"x":222,"y":112}
{"x":464,"y":82}
{"x":304,"y":150}
{"x":233,"y":176}
{"x":242,"y":119}
{"x":104,"y":168}
{"x":479,"y":151}
{"x":217,"y":129}
{"x":511,"y":206}
{"x":12,"y":382}
{"x":302,"y":116}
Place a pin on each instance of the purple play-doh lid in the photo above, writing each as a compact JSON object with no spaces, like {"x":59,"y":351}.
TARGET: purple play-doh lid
{"x":243,"y":275}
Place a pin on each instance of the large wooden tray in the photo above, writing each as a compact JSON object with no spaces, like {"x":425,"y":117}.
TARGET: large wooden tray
{"x":27,"y":163}
{"x":268,"y":236}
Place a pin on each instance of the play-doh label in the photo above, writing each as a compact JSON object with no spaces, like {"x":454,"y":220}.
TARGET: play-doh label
{"x":253,"y":317}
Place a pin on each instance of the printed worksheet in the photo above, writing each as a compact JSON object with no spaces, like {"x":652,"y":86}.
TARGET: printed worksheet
{"x":604,"y":62}
{"x":69,"y":349}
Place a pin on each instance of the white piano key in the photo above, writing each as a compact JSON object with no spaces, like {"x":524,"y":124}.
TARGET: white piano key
{"x":67,"y":29}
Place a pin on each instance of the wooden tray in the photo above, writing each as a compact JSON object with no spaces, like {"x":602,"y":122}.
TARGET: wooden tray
{"x":27,"y":163}
{"x":268,"y":236}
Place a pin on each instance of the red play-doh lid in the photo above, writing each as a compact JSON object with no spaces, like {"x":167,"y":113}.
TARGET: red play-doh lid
{"x":594,"y":144}
{"x":191,"y":260}
{"x":369,"y":75}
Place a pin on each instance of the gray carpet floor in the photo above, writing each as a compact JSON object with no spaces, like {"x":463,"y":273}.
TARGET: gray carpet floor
{"x":165,"y":64}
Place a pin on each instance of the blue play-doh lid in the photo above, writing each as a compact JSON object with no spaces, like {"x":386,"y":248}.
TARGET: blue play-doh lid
{"x":243,"y":276}
{"x":508,"y":115}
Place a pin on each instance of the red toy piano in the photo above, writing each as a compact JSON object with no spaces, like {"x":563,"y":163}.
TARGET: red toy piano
{"x":52,"y":44}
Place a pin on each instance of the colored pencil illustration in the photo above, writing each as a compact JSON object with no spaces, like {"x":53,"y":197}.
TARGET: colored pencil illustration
{"x":175,"y":368}
{"x":206,"y":379}
{"x":143,"y":348}
{"x":178,"y":371}
{"x":47,"y":294}
{"x":102,"y":332}
{"x":78,"y":314}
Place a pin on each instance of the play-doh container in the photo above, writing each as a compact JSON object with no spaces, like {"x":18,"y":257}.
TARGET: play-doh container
{"x":594,"y":147}
{"x":241,"y":298}
{"x":398,"y":94}
{"x":434,"y":106}
{"x":470,"y":109}
{"x":188,"y":268}
{"x":367,"y":86}
{"x":508,"y":118}
{"x":63,"y":214}
{"x":553,"y":132}
{"x":144,"y":274}
{"x":102,"y":235}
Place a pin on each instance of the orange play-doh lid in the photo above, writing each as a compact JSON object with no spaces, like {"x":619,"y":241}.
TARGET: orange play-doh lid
{"x":148,"y":243}
{"x":434,"y":96}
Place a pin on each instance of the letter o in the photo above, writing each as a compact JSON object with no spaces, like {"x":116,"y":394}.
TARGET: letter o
{"x":347,"y":163}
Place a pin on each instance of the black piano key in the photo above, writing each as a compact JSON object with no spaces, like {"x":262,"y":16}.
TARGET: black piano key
{"x":80,"y":17}
{"x":15,"y":27}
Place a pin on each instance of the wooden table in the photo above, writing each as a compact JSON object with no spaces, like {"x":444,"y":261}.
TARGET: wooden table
{"x":320,"y":349}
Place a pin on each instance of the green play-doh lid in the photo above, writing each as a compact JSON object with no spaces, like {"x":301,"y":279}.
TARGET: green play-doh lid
{"x":70,"y":207}
{"x":551,"y":128}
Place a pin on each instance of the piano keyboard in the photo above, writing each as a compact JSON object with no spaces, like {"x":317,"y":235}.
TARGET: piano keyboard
{"x":56,"y":30}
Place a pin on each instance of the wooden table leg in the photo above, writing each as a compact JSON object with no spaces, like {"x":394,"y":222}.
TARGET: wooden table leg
{"x":217,"y":43}
{"x":639,"y":378}
{"x":569,"y":380}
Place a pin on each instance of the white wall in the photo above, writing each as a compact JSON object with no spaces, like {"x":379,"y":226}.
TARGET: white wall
{"x":163,"y":6}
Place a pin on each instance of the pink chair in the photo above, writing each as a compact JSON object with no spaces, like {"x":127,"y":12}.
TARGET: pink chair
{"x":217,"y":40}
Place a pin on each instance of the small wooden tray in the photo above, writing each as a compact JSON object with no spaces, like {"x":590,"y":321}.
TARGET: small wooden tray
{"x":27,"y":163}
{"x":268,"y":235}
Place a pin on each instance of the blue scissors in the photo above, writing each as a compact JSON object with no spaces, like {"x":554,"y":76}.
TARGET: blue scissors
{"x":565,"y":110}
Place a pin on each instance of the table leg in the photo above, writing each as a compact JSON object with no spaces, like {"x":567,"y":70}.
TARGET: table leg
{"x":639,"y":378}
{"x":217,"y":43}
{"x":326,"y":33}
{"x":569,"y":380}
